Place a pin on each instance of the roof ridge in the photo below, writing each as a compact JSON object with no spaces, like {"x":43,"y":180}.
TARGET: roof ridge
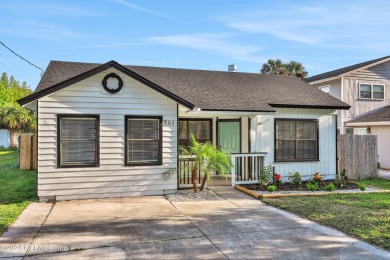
{"x":332,"y":73}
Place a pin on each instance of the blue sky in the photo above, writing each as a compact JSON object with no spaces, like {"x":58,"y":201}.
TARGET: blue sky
{"x":202,"y":34}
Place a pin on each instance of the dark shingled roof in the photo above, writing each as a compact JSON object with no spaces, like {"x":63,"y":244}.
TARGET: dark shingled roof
{"x":377,"y":115}
{"x":209,"y":90}
{"x":338,"y":72}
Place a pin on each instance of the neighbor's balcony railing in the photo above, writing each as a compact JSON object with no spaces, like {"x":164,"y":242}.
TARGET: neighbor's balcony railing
{"x":247,"y":167}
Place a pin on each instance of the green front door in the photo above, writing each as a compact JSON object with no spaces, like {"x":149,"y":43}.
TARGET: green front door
{"x":229,"y":136}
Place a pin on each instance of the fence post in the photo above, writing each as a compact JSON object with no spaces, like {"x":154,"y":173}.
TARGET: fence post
{"x":25,"y":151}
{"x":233,"y":171}
{"x":34,"y":151}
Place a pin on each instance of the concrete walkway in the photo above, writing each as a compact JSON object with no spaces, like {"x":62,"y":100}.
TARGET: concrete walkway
{"x":151,"y":227}
{"x":384,"y":174}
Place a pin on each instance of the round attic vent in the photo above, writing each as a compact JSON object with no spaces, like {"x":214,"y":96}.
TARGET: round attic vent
{"x":112,"y":89}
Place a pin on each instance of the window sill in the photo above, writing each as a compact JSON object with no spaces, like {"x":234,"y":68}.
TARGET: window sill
{"x":370,"y":99}
{"x":143,"y":164}
{"x":78,"y":166}
{"x":294,"y":161}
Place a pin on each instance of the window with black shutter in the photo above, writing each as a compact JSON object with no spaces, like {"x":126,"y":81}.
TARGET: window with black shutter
{"x":143,"y":140}
{"x":296,"y":140}
{"x":78,"y":137}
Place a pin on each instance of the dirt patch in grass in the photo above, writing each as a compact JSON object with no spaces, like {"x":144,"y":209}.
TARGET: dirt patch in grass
{"x":365,"y":216}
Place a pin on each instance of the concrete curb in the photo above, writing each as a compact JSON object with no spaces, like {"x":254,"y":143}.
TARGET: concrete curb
{"x":246,"y":191}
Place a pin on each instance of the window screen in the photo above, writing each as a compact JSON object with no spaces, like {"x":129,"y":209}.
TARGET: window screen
{"x":143,"y":140}
{"x":78,"y":139}
{"x":296,"y":140}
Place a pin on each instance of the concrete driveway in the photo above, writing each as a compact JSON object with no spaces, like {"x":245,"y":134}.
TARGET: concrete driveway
{"x":151,"y":227}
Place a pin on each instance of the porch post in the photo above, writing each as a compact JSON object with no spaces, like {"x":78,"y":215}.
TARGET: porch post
{"x":233,"y":170}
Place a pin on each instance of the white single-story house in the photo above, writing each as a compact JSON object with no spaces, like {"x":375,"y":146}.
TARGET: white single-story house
{"x":109,"y":130}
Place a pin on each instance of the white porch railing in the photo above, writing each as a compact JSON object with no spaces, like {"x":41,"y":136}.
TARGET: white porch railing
{"x":246,"y":167}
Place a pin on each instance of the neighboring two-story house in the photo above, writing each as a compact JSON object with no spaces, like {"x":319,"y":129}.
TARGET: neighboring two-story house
{"x":365,"y":87}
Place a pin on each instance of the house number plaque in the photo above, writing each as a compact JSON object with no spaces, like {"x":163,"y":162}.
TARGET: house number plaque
{"x":169,"y":122}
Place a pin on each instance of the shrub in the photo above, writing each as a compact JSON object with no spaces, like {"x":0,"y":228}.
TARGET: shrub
{"x":295,"y":178}
{"x":330,"y":187}
{"x":317,"y":177}
{"x":312,"y":186}
{"x":343,"y":174}
{"x":271,"y":188}
{"x":362,"y":186}
{"x":266,"y":175}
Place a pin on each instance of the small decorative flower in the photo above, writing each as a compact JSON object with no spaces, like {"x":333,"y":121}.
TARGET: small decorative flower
{"x":278,"y":176}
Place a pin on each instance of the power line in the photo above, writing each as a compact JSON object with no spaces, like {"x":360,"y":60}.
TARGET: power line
{"x":22,"y":57}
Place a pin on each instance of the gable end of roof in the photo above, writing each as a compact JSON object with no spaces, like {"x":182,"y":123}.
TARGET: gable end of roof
{"x":339,"y":72}
{"x":94,"y":71}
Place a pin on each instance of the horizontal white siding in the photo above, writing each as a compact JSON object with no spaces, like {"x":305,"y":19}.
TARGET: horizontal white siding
{"x":112,"y":178}
{"x":327,"y":143}
{"x":379,"y":74}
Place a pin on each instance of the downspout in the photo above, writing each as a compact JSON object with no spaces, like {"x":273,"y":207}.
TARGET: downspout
{"x":337,"y":157}
{"x":342,"y":111}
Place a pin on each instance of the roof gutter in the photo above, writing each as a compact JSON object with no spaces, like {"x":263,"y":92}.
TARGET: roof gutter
{"x":322,"y":80}
{"x":380,"y":123}
{"x":311,"y":106}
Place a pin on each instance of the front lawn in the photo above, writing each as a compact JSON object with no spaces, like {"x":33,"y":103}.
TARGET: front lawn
{"x":8,"y":157}
{"x":376,"y":182}
{"x":365,"y":216}
{"x":17,"y":188}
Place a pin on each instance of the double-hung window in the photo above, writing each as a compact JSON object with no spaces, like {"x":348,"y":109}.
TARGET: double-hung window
{"x":78,"y":141}
{"x":143,"y":140}
{"x":371,"y":91}
{"x":296,"y":140}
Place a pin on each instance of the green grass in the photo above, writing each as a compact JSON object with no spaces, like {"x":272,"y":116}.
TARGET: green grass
{"x":365,"y":216}
{"x":18,"y":188}
{"x":8,"y":157}
{"x":376,"y":182}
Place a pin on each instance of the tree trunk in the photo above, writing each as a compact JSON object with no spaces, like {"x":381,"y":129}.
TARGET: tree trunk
{"x":204,"y":180}
{"x":195,"y":171}
{"x":13,"y":138}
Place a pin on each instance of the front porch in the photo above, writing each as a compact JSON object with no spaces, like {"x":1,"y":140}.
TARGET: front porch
{"x":246,"y":168}
{"x":234,"y":133}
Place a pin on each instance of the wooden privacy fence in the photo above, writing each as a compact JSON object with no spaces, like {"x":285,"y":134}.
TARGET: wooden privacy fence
{"x":358,"y":155}
{"x":28,"y":151}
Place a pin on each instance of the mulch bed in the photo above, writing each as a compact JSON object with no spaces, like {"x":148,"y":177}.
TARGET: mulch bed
{"x":340,"y":185}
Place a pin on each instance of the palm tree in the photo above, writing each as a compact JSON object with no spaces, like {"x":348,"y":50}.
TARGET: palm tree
{"x":14,"y":118}
{"x":276,"y":67}
{"x":295,"y":68}
{"x":208,"y":158}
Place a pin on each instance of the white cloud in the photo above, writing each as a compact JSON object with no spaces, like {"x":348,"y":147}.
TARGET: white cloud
{"x":48,"y":8}
{"x":38,"y":30}
{"x":331,"y":23}
{"x":221,"y":43}
{"x":142,"y":9}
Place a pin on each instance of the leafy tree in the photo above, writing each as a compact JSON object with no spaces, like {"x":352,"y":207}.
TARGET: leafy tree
{"x":296,"y":69}
{"x":12,"y":116}
{"x":208,"y":158}
{"x":277,"y":67}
